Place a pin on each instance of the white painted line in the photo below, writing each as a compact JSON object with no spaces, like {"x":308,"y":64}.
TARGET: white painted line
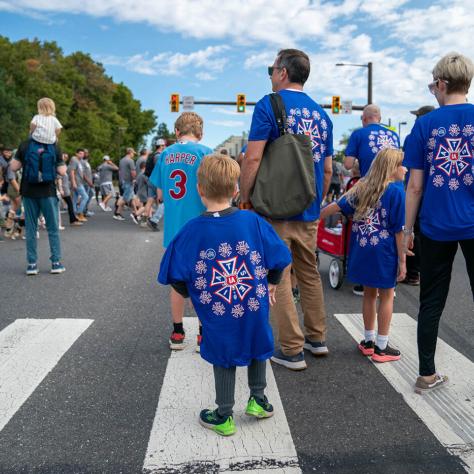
{"x":447,"y":412}
{"x":29,"y":349}
{"x":178,"y":443}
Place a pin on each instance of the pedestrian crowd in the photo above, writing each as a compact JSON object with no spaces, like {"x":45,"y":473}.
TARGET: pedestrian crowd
{"x":415,"y":201}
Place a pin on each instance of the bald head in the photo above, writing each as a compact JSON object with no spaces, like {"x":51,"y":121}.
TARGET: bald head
{"x":371,"y":114}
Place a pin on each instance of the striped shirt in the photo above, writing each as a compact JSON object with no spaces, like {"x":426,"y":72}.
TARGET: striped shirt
{"x":46,"y":126}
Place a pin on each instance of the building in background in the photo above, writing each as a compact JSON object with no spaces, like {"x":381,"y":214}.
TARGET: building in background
{"x":233,"y":144}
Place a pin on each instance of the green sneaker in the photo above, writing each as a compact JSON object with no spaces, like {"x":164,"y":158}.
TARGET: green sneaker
{"x":259,"y":408}
{"x":222,"y":425}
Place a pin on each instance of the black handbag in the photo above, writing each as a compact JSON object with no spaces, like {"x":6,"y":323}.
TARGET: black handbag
{"x":285,"y":183}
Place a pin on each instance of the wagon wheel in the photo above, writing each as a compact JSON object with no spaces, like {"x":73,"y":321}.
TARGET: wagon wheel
{"x":336,"y":274}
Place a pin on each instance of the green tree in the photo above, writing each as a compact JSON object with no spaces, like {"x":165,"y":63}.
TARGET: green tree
{"x":95,"y":112}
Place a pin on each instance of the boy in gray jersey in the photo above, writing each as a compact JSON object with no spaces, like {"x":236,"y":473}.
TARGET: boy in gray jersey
{"x":106,"y":170}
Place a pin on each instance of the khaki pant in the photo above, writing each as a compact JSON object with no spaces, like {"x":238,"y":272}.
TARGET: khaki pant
{"x":300,"y":237}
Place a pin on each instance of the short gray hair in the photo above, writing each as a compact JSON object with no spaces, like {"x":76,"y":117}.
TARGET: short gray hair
{"x":457,"y":70}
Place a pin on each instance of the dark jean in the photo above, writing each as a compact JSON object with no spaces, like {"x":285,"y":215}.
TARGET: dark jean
{"x":47,"y":206}
{"x":436,"y":265}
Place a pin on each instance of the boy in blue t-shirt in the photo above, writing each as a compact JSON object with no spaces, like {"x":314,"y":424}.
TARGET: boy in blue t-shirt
{"x":175,"y":174}
{"x":229,"y":262}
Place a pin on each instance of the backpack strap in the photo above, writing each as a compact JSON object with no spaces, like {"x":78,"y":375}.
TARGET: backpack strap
{"x":279,"y":111}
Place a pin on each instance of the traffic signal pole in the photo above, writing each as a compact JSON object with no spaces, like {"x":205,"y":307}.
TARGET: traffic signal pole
{"x":232,"y":102}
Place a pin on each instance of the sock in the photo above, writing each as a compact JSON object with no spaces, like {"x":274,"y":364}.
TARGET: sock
{"x":382,"y":342}
{"x":200,"y":330}
{"x":178,"y":327}
{"x":369,"y":335}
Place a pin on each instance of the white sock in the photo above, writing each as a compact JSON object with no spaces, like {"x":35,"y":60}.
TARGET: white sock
{"x":369,"y":335}
{"x":382,"y":341}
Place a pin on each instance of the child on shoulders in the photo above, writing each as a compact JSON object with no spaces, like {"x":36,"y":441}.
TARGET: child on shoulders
{"x":45,"y":127}
{"x":228,"y":261}
{"x":376,"y":257}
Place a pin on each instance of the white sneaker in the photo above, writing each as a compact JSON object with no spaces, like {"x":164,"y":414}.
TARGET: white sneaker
{"x":102,"y":206}
{"x":108,"y":209}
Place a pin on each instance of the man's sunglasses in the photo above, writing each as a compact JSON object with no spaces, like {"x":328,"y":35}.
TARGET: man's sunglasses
{"x":271,"y":69}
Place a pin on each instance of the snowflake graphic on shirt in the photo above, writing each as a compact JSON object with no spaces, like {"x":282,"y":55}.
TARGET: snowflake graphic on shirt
{"x":205,"y":297}
{"x":468,"y":179}
{"x":261,"y":290}
{"x":374,"y":240}
{"x":201,"y":267}
{"x":468,"y":130}
{"x":453,"y":184}
{"x":225,"y":249}
{"x":255,"y":257}
{"x":260,"y":272}
{"x":253,"y":304}
{"x":200,"y":283}
{"x":363,"y":242}
{"x":242,"y":248}
{"x":218,"y":308}
{"x":438,"y":181}
{"x":454,"y":130}
{"x":237,"y":311}
{"x":384,"y":234}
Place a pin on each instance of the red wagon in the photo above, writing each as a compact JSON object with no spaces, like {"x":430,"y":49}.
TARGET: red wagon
{"x":334,"y":236}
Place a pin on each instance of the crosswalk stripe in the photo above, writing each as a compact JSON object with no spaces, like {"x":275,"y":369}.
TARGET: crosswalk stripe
{"x":448,"y":412}
{"x":29,"y":349}
{"x":179,"y":444}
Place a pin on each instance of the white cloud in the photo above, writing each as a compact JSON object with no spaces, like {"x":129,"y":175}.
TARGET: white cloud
{"x":171,"y":64}
{"x":228,"y":123}
{"x":205,"y":76}
{"x":228,"y":111}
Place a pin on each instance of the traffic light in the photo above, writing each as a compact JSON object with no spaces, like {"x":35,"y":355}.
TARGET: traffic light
{"x":336,"y":104}
{"x":241,"y":103}
{"x":174,"y":102}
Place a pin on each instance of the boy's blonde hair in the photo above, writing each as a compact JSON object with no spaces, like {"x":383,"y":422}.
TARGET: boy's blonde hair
{"x":457,"y":70}
{"x":46,"y":106}
{"x":217,"y":176}
{"x":189,"y":123}
{"x":365,"y":195}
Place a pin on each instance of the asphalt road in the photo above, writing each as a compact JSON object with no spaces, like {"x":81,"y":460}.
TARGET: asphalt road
{"x":94,"y":411}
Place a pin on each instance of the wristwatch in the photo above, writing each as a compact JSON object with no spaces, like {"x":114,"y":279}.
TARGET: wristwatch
{"x":407,"y":230}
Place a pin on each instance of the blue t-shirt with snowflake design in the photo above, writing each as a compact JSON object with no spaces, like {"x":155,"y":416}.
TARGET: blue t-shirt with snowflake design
{"x":223,"y":259}
{"x":364,"y":144}
{"x":175,"y":173}
{"x":304,"y":115}
{"x":441,"y":144}
{"x":373,"y":256}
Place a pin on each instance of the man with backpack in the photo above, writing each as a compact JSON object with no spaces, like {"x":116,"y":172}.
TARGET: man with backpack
{"x":304,"y":116}
{"x":40,"y":165}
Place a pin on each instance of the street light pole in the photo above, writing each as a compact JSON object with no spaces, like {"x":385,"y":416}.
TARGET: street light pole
{"x":400,"y":129}
{"x":369,"y":77}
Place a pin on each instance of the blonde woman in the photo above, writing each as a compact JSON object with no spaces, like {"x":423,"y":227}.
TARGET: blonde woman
{"x":377,"y":258}
{"x":45,"y":127}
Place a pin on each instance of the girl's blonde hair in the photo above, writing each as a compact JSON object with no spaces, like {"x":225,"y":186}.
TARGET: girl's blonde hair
{"x":46,"y":106}
{"x":365,"y":195}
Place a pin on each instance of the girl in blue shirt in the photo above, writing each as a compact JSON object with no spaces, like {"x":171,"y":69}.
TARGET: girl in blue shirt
{"x":376,"y":259}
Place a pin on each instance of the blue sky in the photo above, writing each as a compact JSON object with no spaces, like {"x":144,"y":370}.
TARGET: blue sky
{"x":213,"y":49}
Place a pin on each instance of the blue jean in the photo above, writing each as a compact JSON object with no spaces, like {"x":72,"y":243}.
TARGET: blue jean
{"x":158,"y":215}
{"x":90,"y":194}
{"x":47,"y":206}
{"x":80,"y":192}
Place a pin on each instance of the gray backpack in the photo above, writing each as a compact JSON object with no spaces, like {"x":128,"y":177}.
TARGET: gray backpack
{"x":285,"y":184}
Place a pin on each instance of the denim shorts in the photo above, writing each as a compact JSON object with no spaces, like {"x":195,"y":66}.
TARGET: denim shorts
{"x":151,"y":190}
{"x":128,"y":193}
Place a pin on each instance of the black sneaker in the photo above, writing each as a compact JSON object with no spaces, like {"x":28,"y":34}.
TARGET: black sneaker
{"x":366,"y":347}
{"x":389,"y":354}
{"x":358,"y":290}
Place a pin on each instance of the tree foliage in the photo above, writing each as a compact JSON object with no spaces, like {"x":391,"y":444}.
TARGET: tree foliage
{"x":95,"y":112}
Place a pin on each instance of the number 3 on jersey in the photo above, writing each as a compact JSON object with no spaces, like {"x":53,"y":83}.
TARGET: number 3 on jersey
{"x":180,"y":179}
